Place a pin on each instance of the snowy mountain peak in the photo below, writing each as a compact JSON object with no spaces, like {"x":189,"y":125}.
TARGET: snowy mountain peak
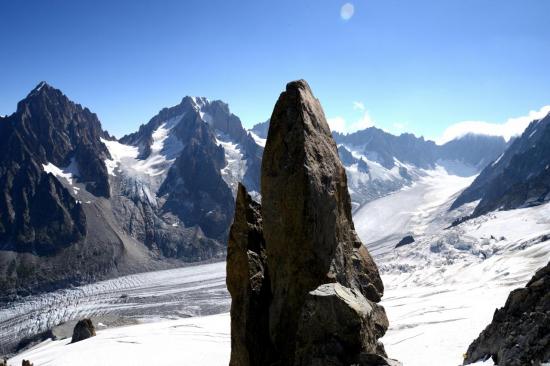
{"x":200,"y":101}
{"x":43,"y":88}
{"x":379,"y":163}
{"x":39,"y":87}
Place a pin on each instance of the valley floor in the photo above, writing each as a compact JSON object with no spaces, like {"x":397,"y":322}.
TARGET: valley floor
{"x":441,"y":290}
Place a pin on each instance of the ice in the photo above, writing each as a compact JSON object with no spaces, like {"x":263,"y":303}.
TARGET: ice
{"x":162,"y":155}
{"x":182,"y":292}
{"x":436,"y":312}
{"x":376,"y":170}
{"x":383,"y":222}
{"x":496,"y":161}
{"x":144,"y":176}
{"x":65,"y":175}
{"x":236,"y":167}
{"x":40,"y":86}
{"x":198,"y":104}
{"x":378,"y":181}
{"x":206,"y":117}
{"x":119,"y":152}
{"x":164,"y":150}
{"x":441,"y":291}
{"x":260,"y":141}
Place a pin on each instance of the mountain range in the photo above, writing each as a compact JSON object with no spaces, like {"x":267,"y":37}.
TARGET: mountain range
{"x":378,"y":163}
{"x":79,"y":205}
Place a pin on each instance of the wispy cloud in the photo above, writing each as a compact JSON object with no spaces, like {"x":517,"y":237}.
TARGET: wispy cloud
{"x":512,"y":127}
{"x":347,"y":11}
{"x":359,"y":105}
{"x":364,"y":122}
{"x":339,"y":123}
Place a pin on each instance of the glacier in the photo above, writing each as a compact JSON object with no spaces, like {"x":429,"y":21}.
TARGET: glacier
{"x":441,"y":290}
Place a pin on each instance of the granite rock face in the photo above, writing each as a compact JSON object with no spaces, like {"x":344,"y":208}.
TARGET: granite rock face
{"x":336,"y":325}
{"x":56,"y":223}
{"x":323,"y":284}
{"x":520,"y":331}
{"x":248,"y":284}
{"x":37,"y":214}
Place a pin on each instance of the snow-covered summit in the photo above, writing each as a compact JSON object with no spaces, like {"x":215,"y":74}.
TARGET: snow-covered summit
{"x":379,"y":163}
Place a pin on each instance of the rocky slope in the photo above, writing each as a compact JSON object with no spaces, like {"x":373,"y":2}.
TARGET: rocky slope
{"x":304,"y":288}
{"x":78,"y":205}
{"x":177,"y":174}
{"x":51,"y":165}
{"x":520,"y":331}
{"x":37,"y":214}
{"x":519,"y":177}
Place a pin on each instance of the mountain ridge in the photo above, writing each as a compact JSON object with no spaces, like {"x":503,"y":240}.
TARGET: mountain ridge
{"x":73,"y":194}
{"x":379,"y":163}
{"x":519,"y":177}
{"x":165,"y":192}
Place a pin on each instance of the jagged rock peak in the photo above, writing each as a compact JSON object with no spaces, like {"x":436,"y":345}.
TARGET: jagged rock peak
{"x":303,"y":176}
{"x":41,"y":85}
{"x":248,"y":284}
{"x":323,"y":284}
{"x":43,"y":89}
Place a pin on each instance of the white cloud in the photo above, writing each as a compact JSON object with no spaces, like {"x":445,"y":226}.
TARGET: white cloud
{"x":337,"y":124}
{"x":512,"y":127}
{"x":364,"y":122}
{"x":359,"y":105}
{"x":347,"y":10}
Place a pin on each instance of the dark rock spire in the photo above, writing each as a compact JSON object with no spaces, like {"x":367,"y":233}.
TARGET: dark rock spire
{"x":323,"y":283}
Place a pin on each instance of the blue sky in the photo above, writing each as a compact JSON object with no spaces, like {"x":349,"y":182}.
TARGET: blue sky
{"x":419,"y":66}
